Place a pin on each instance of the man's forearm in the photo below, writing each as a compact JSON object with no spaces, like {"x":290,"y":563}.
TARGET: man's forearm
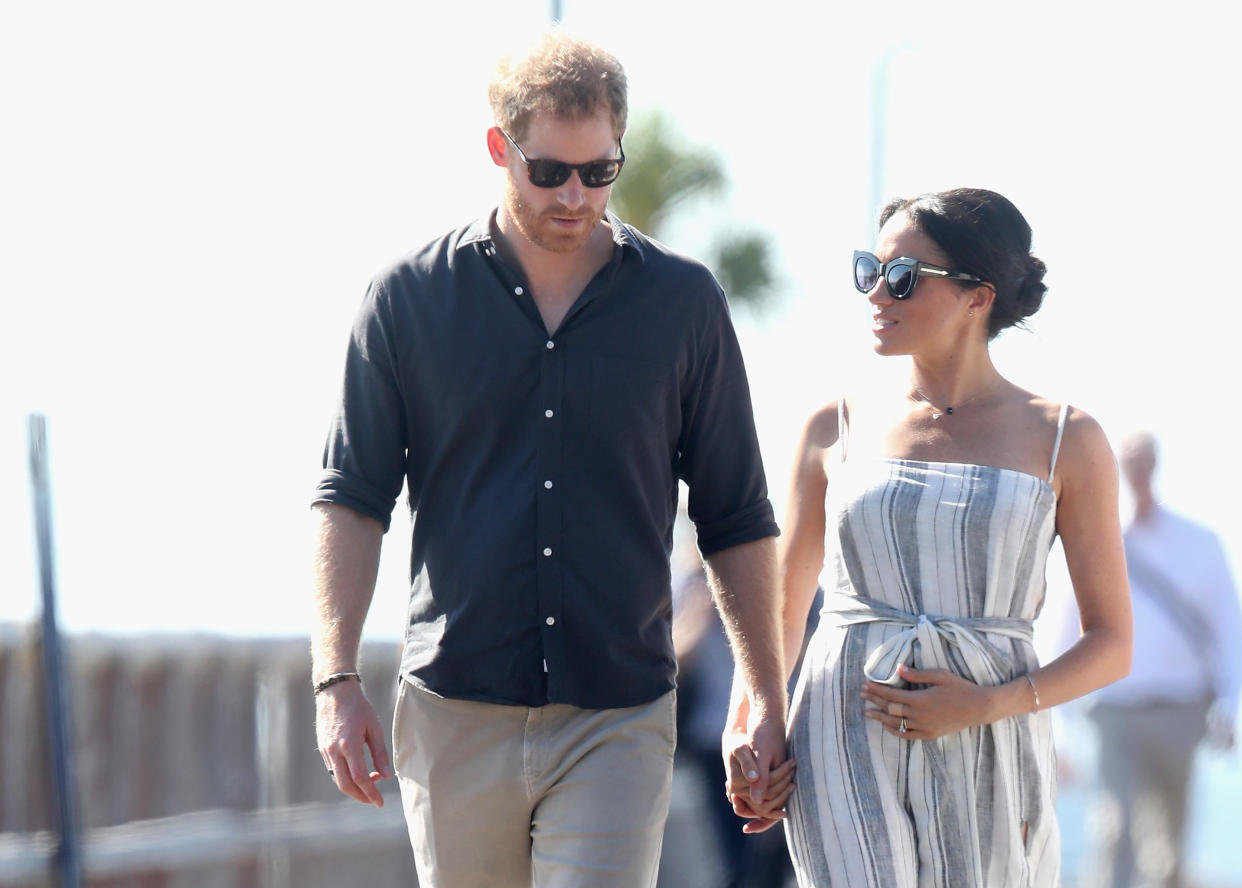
{"x":346,"y":561}
{"x":744,"y":583}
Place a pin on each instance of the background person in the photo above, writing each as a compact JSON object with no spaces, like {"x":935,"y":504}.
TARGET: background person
{"x":1184,"y":687}
{"x":923,"y":748}
{"x":540,"y":379}
{"x":704,"y":681}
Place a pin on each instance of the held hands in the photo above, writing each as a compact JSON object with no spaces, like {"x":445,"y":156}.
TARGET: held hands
{"x":345,"y":724}
{"x":759,"y":780}
{"x":950,"y":703}
{"x":766,"y":813}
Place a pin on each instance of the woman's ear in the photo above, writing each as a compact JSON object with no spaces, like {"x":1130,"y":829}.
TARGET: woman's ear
{"x":981,"y":298}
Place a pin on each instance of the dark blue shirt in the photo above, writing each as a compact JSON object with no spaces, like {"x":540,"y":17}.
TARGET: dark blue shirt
{"x":542,"y":470}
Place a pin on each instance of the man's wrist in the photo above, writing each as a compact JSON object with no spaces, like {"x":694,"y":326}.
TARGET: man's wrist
{"x":334,"y":678}
{"x":768,"y":705}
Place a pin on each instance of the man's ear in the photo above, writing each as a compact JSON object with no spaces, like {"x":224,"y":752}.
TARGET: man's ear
{"x":497,"y":146}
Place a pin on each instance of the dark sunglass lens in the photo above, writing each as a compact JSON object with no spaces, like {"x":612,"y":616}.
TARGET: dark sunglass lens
{"x":900,"y":281}
{"x":866,"y":273}
{"x":600,"y":173}
{"x":548,"y":173}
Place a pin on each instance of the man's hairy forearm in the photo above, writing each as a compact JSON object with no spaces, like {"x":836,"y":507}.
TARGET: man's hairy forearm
{"x":747,"y":593}
{"x":345,"y":563}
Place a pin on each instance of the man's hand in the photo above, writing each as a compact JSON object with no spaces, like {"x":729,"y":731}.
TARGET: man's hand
{"x":1220,"y":729}
{"x":346,"y":725}
{"x":754,"y":747}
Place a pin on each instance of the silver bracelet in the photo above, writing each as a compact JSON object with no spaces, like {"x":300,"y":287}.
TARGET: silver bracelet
{"x":1034,"y":690}
{"x":335,"y":678}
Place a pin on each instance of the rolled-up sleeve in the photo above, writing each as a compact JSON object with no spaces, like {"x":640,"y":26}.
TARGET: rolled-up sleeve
{"x":364,"y":456}
{"x":720,"y":459}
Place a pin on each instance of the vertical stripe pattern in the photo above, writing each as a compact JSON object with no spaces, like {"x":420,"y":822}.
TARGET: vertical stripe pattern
{"x":940,"y":566}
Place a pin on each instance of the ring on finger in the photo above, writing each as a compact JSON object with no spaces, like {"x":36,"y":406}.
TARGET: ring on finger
{"x":901,"y":728}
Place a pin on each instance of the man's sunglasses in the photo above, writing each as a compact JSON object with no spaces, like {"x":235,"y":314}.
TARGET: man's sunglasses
{"x":901,"y":274}
{"x":553,"y":173}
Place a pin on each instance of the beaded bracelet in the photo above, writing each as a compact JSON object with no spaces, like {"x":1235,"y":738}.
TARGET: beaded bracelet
{"x":1034,"y":690}
{"x":335,"y":678}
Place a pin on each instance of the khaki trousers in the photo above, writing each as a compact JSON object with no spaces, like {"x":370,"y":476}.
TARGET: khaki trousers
{"x":1138,"y":810}
{"x":553,"y":796}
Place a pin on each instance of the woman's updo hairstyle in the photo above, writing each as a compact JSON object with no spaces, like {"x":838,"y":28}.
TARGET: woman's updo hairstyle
{"x":981,"y":232}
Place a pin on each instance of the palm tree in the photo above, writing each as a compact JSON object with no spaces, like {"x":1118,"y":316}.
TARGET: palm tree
{"x":661,"y":177}
{"x":744,"y":266}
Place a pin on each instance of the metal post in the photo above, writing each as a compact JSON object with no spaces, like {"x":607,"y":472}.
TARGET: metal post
{"x":879,"y":143}
{"x":878,"y":184}
{"x":68,"y":859}
{"x":272,"y":751}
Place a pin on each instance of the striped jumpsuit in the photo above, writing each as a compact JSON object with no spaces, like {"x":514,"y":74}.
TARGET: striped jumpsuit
{"x":939,"y":566}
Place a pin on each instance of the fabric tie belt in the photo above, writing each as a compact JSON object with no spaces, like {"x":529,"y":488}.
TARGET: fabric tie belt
{"x":934,"y":635}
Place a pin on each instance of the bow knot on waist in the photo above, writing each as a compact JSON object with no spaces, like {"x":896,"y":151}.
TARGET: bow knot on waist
{"x":934,"y":635}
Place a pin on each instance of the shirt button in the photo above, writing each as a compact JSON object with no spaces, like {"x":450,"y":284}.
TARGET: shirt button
{"x":551,"y":621}
{"x":548,"y":414}
{"x":547,"y":551}
{"x":547,"y":485}
{"x":550,"y":345}
{"x":518,"y":291}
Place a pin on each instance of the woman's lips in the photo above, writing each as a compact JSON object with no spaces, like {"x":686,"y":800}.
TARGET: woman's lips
{"x":880,"y":323}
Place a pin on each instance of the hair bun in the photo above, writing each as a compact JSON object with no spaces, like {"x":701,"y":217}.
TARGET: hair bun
{"x":1031,"y":287}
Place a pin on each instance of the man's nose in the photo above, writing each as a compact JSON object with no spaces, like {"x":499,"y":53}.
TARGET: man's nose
{"x":572,"y":193}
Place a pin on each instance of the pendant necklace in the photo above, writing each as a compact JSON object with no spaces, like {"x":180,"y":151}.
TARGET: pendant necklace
{"x":936,"y":414}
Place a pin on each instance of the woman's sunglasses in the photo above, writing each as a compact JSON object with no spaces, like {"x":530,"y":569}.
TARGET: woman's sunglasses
{"x":554,"y":173}
{"x":901,"y":274}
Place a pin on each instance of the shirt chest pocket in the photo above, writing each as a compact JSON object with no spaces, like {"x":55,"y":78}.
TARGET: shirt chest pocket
{"x":632,"y":403}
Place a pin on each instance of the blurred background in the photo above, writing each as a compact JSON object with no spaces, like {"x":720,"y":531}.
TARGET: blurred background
{"x":194,"y":197}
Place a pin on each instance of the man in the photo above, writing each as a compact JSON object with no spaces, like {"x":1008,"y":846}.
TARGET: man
{"x":1183,"y":685}
{"x":541,"y":379}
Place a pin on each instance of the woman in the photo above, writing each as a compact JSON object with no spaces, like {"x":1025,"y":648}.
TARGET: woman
{"x":919,"y":724}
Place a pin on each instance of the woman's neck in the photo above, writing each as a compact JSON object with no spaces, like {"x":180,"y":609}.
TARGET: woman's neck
{"x":952,"y":383}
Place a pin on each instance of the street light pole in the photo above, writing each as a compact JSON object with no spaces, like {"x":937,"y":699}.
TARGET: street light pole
{"x":878,"y":167}
{"x":68,"y":861}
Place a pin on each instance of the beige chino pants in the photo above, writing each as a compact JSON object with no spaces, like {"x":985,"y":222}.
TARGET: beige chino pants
{"x":514,"y":796}
{"x":1139,"y":806}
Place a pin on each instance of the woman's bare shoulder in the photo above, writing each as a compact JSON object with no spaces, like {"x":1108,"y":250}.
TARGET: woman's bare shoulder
{"x":1084,"y":446}
{"x":823,"y":427}
{"x":1079,"y":424}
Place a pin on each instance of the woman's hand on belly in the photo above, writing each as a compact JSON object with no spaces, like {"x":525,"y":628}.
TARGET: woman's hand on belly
{"x":948,"y":704}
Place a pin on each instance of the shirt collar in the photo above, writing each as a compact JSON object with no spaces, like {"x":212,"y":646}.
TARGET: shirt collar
{"x":480,"y":232}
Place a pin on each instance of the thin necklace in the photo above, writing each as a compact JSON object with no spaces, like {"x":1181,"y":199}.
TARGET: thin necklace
{"x":936,"y":414}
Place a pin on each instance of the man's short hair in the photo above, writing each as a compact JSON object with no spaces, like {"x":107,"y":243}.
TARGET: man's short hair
{"x":558,"y":75}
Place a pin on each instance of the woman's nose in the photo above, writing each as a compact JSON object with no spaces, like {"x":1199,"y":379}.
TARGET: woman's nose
{"x":879,"y":294}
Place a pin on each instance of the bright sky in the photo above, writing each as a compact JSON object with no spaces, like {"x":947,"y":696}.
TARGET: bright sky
{"x":194,"y":196}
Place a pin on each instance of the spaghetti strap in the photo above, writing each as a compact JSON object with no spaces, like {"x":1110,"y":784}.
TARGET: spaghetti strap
{"x":843,"y":430}
{"x":1056,"y":447}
